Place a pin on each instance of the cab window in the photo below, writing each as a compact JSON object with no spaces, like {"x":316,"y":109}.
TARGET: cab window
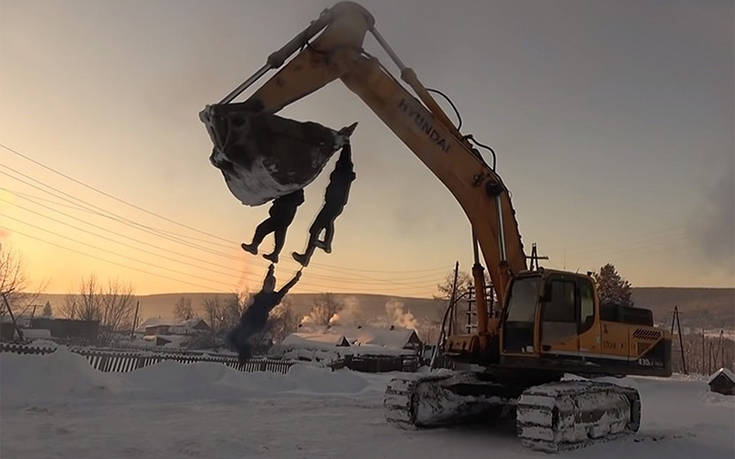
{"x":586,"y":305}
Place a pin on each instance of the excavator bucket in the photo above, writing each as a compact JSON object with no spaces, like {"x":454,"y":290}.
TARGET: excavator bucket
{"x":263,"y":156}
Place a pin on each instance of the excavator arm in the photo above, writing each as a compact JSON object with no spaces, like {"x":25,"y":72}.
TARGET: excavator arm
{"x":337,"y":53}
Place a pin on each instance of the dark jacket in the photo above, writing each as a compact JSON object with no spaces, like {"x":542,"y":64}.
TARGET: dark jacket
{"x":340,"y":180}
{"x":284,"y":208}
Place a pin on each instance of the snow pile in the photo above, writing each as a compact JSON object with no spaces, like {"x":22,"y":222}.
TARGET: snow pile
{"x":64,"y":375}
{"x":43,"y":344}
{"x":56,"y":376}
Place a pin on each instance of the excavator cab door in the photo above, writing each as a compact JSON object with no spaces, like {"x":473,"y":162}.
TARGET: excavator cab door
{"x":520,"y":315}
{"x":560,"y":312}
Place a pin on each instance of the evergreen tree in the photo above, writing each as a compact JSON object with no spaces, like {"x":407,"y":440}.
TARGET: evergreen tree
{"x":611,"y":286}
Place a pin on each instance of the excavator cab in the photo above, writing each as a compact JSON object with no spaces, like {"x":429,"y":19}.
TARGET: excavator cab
{"x":554,"y":320}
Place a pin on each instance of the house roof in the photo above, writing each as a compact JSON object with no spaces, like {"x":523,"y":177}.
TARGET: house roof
{"x":722,"y":371}
{"x":166,"y":322}
{"x":393,"y":338}
{"x":315,"y":340}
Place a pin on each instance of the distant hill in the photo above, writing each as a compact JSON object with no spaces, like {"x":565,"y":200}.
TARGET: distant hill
{"x":362,"y":307}
{"x":711,"y":308}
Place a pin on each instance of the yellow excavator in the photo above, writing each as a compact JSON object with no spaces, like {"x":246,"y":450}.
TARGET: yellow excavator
{"x":546,"y":324}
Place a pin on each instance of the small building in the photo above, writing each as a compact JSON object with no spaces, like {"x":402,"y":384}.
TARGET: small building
{"x":722,"y":381}
{"x":172,"y":341}
{"x":160,"y":326}
{"x":390,"y":339}
{"x":68,"y":328}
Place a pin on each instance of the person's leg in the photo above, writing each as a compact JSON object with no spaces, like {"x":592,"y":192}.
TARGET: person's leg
{"x":328,"y":236}
{"x":280,"y":239}
{"x":314,"y":231}
{"x":304,"y":258}
{"x":266,"y":227}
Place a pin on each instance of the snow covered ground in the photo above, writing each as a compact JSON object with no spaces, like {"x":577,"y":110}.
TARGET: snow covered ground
{"x":57,"y":406}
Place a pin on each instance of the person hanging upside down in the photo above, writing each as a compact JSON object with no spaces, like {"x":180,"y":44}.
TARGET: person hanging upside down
{"x":335,"y":200}
{"x":254,"y":318}
{"x":281,"y":213}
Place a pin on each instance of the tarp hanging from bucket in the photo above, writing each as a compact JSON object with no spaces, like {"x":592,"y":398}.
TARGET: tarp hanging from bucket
{"x":264,"y":156}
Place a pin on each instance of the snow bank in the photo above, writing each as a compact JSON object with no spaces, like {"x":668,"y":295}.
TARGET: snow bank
{"x":63,"y":375}
{"x":28,"y":379}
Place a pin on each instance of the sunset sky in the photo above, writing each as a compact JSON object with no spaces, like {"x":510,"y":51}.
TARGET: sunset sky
{"x":612,"y":120}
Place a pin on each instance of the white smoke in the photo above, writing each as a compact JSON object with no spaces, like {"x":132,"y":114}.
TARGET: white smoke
{"x":308,"y":320}
{"x":398,"y":316}
{"x":349,"y":314}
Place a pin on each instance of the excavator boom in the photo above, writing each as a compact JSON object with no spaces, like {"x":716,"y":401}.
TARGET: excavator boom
{"x":419,"y":122}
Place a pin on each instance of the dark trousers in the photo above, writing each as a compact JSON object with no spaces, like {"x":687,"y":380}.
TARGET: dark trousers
{"x":270,"y":225}
{"x":324,"y":222}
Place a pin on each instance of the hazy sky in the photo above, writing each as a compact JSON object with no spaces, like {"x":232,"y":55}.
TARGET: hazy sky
{"x":613,"y":122}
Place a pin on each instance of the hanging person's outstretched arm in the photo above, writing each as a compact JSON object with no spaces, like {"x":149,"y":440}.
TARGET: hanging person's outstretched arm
{"x":284,"y":290}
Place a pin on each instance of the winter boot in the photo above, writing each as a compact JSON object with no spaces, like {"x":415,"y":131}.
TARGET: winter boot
{"x":272,"y":257}
{"x":250,"y":248}
{"x":302,"y":259}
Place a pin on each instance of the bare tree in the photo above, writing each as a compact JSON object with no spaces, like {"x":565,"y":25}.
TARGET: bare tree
{"x":183,"y":309}
{"x":213,"y":315}
{"x":234,"y":306}
{"x":118,"y":304}
{"x":12,"y":276}
{"x":325,"y":306}
{"x":89,"y":306}
{"x":444,"y":289}
{"x":113,"y":306}
{"x":70,"y":309}
{"x":282,"y":321}
{"x":13,"y":283}
{"x":47,"y":310}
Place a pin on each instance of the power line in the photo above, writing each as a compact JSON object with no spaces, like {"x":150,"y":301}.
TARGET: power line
{"x":371,"y":283}
{"x":110,"y":215}
{"x":166,"y":234}
{"x":353,"y":279}
{"x":105,"y":212}
{"x":104,"y":193}
{"x":14,"y":231}
{"x":104,"y":229}
{"x":120,"y":242}
{"x":109,"y":251}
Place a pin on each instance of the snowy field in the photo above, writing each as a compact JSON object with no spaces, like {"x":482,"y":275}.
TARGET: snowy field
{"x":57,"y":406}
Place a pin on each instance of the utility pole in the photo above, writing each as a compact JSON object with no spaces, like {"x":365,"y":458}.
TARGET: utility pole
{"x":704,"y":355}
{"x":135,"y":320}
{"x":722,"y":349}
{"x":452,"y":299}
{"x":681,"y":342}
{"x":12,"y":317}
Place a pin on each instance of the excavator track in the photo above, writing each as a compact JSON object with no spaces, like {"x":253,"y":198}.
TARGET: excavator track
{"x":572,"y":414}
{"x":441,"y":398}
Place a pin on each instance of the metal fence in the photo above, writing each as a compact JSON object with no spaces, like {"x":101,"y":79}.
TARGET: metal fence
{"x":123,"y":361}
{"x":381,"y":363}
